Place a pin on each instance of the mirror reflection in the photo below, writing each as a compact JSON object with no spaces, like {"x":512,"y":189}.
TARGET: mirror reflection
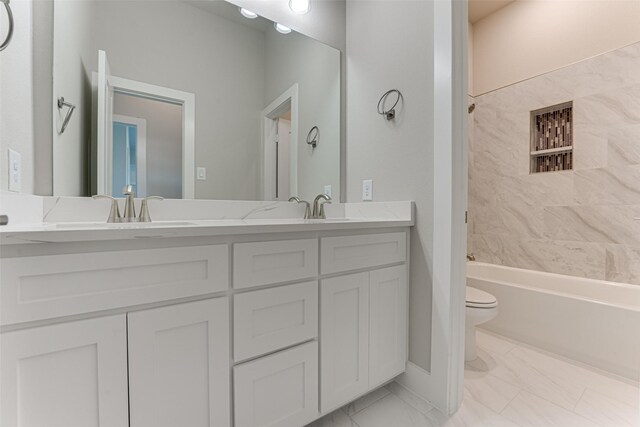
{"x":192,"y":100}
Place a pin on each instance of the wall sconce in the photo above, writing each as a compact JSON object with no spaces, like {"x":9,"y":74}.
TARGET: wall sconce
{"x":300,"y":6}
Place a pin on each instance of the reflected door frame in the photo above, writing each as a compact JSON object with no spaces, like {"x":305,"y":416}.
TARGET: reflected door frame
{"x":145,"y":90}
{"x":287,"y":100}
{"x":188,"y":102}
{"x":141,"y":150}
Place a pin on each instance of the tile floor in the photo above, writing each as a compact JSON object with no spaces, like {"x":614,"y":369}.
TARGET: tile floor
{"x":508,"y":385}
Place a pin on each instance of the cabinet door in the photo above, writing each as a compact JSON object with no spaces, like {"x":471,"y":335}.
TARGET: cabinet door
{"x":388,"y":324}
{"x":344,"y":339}
{"x":179,"y":365}
{"x":280,"y":390}
{"x":70,"y":374}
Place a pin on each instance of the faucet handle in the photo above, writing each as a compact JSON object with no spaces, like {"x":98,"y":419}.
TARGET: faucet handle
{"x":144,"y":209}
{"x":114,"y":213}
{"x":307,"y":209}
{"x":322,"y":214}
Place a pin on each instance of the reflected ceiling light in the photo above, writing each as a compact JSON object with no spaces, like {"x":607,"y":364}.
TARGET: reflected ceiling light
{"x":300,"y":6}
{"x":281,"y":28}
{"x":247,"y":13}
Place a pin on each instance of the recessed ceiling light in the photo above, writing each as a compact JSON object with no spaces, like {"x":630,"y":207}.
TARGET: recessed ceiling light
{"x":281,"y":28}
{"x":247,"y":13}
{"x":300,"y":6}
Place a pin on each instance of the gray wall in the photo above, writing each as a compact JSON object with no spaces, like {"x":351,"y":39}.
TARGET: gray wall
{"x":16,"y":97}
{"x":294,"y":58}
{"x":576,"y":222}
{"x":390,"y":45}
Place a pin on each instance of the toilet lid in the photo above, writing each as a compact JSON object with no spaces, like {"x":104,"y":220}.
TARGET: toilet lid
{"x":480,"y":299}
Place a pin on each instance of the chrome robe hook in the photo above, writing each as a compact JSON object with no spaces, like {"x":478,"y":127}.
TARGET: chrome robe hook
{"x":5,"y":43}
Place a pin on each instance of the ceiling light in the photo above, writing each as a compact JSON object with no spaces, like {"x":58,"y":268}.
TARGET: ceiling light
{"x":248,"y":14}
{"x":300,"y":6}
{"x":281,"y":28}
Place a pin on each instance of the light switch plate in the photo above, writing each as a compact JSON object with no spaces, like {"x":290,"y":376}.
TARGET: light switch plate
{"x":327,"y":190}
{"x":15,"y":171}
{"x":201,"y":174}
{"x":367,"y":189}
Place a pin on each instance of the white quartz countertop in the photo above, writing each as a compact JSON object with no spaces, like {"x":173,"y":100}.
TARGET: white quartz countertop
{"x":209,"y":219}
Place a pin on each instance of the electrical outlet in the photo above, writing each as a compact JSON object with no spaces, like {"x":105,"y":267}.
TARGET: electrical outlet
{"x":367,"y":189}
{"x":15,"y":171}
{"x":327,"y":190}
{"x":201,"y":174}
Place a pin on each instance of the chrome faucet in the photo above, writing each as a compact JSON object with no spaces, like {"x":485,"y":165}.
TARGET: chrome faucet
{"x":129,"y":205}
{"x":307,"y":209}
{"x":318,"y":207}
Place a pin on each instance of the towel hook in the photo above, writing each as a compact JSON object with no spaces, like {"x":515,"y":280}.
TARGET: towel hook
{"x":63,"y":103}
{"x":5,"y":43}
{"x":313,"y":137}
{"x":389,"y":114}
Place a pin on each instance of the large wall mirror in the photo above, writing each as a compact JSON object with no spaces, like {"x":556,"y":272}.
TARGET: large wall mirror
{"x":190,"y":99}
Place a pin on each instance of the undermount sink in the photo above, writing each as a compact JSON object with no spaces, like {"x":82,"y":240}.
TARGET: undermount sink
{"x":120,"y":225}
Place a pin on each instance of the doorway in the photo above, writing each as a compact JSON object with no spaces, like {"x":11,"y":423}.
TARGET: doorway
{"x":279,"y":147}
{"x":129,"y":161}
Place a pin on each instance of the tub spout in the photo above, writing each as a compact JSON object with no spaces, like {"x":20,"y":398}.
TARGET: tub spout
{"x":471,"y":257}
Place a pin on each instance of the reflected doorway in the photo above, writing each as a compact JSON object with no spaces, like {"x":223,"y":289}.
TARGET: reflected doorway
{"x":129,"y":161}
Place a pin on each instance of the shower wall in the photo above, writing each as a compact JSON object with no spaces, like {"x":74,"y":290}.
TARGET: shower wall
{"x":578,"y":222}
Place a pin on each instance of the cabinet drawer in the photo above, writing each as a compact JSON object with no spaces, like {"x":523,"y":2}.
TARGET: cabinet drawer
{"x":271,"y":319}
{"x":262,"y":263}
{"x":353,"y":252}
{"x":42,"y":287}
{"x":280,"y":390}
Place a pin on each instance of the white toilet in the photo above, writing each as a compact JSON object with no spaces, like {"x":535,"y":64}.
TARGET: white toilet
{"x":481,"y":307}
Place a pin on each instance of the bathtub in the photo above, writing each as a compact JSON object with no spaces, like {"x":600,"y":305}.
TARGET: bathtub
{"x":592,"y":321}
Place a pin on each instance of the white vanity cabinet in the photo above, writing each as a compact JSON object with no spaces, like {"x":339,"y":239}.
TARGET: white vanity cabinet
{"x":179,"y":365}
{"x":277,"y":330}
{"x":70,"y":374}
{"x":166,"y":366}
{"x":364,"y":316}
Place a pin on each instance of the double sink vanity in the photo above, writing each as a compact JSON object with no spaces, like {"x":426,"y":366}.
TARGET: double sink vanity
{"x":215,"y":314}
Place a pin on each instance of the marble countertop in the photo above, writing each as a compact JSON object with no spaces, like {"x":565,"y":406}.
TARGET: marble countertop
{"x":76,"y":232}
{"x":59,"y":220}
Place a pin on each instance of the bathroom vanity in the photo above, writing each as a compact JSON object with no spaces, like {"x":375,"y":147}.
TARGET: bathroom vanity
{"x":234,"y":322}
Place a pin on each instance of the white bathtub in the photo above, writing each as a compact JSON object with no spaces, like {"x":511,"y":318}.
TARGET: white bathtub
{"x":591,"y":321}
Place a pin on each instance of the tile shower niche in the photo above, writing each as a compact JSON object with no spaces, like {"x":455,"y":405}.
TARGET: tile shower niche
{"x":552,"y":138}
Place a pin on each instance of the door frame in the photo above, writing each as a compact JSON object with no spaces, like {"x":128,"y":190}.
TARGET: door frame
{"x":287,"y":100}
{"x":141,"y":150}
{"x":185,"y":99}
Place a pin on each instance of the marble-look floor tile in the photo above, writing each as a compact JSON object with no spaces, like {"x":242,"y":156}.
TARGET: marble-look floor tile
{"x":488,"y":390}
{"x":335,"y":419}
{"x":409,"y":397}
{"x":520,"y":370}
{"x":606,"y":411}
{"x":529,"y":410}
{"x":470,"y":414}
{"x":365,"y":401}
{"x":391,"y":411}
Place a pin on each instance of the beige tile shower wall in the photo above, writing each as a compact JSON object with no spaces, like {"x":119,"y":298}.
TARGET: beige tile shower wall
{"x":578,"y":222}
